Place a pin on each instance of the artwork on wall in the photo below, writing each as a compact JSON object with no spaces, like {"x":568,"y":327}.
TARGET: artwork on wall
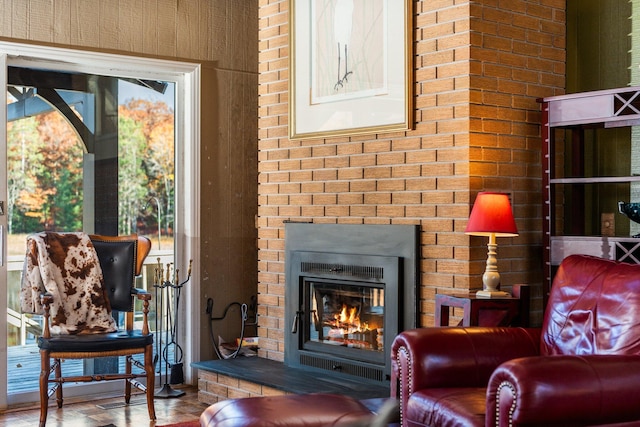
{"x":350,"y":67}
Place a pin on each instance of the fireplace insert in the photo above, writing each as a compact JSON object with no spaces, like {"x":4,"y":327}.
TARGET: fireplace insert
{"x":343,"y":310}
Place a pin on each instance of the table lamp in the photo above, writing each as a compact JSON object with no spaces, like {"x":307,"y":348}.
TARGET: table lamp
{"x":491,"y":216}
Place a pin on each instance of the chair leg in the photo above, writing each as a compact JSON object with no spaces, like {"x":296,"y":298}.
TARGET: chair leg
{"x":127,"y":383}
{"x":151,"y":380}
{"x":45,"y":367}
{"x":58,"y":371}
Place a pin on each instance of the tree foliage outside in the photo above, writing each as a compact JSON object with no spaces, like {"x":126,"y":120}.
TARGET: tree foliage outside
{"x":130,"y":161}
{"x":44,"y":175}
{"x":45,"y":167}
{"x":24,"y":160}
{"x":147,"y":158}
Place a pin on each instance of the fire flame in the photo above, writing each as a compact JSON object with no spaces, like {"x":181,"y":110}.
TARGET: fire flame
{"x":347,"y":329}
{"x":348,"y":321}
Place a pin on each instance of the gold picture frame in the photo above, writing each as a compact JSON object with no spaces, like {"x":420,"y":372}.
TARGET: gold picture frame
{"x":350,"y":64}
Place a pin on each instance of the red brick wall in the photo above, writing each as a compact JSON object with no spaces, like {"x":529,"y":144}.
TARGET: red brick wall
{"x":479,"y":68}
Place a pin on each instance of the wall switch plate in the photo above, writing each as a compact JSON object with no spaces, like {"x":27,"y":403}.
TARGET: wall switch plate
{"x":607,"y":224}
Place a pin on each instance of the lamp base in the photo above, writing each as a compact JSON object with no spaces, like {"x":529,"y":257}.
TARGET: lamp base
{"x":492,"y":294}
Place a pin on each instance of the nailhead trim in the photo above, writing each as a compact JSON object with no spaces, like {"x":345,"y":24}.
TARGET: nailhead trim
{"x":513,"y":405}
{"x":407,"y":355}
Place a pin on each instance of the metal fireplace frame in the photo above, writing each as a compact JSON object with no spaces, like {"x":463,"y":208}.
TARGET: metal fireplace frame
{"x":347,"y":252}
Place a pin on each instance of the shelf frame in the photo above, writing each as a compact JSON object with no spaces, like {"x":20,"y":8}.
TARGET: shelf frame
{"x":579,"y":111}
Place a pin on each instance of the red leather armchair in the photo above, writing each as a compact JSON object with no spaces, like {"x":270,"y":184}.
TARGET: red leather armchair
{"x":581,"y":368}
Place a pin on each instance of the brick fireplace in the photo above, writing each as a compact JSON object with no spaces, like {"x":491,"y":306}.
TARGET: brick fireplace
{"x":371,"y":267}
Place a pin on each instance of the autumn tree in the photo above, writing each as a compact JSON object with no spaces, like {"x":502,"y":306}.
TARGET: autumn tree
{"x":24,"y":161}
{"x":160,"y":165}
{"x":44,"y":174}
{"x":132,"y":179}
{"x":61,"y":174}
{"x":156,"y":121}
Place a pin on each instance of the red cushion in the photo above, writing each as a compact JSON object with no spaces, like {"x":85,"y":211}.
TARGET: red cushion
{"x":593,"y":308}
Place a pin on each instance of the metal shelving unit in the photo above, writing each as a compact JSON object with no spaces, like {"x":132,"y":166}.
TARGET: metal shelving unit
{"x":581,"y":176}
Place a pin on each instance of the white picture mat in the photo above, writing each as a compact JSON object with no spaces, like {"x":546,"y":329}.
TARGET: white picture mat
{"x":359,"y":105}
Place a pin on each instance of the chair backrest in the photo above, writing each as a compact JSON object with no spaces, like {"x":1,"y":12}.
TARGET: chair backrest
{"x":593,"y":308}
{"x":121,"y":259}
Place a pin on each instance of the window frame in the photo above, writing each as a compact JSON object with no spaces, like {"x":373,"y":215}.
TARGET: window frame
{"x":187,"y":77}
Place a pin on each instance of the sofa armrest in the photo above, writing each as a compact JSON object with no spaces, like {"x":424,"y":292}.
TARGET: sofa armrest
{"x":573,"y":390}
{"x":455,"y":357}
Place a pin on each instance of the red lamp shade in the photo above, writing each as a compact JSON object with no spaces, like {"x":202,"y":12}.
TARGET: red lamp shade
{"x":491,"y":214}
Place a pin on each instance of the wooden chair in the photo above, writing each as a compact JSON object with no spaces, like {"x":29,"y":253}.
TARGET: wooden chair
{"x":121,"y":259}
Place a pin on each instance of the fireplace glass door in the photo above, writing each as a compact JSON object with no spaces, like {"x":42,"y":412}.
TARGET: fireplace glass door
{"x":345,"y":318}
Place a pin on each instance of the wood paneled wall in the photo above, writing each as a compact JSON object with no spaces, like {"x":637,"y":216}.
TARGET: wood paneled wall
{"x":203,"y":30}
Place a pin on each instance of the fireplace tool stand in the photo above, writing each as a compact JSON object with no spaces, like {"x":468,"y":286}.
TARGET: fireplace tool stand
{"x":244,"y":316}
{"x":167,"y":300}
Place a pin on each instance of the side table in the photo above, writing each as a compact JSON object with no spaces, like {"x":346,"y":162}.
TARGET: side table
{"x":509,"y":311}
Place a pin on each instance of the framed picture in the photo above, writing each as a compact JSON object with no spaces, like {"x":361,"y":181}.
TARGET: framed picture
{"x":350,"y":64}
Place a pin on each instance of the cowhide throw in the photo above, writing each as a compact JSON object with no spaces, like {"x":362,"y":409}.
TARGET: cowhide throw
{"x":66,"y":266}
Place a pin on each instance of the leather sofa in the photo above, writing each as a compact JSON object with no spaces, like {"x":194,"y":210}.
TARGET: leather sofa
{"x":581,"y":368}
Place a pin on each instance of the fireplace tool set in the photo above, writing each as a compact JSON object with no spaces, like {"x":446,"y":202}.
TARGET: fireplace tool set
{"x":167,"y":302}
{"x":244,"y":316}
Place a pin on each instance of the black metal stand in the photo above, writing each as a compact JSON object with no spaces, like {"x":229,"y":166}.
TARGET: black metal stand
{"x":244,"y":316}
{"x":167,"y":298}
{"x":166,"y":392}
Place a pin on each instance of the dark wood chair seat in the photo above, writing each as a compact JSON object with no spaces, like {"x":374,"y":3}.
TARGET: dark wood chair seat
{"x":120,"y":340}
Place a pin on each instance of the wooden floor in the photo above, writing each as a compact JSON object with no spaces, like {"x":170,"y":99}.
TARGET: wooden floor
{"x":115,"y":413}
